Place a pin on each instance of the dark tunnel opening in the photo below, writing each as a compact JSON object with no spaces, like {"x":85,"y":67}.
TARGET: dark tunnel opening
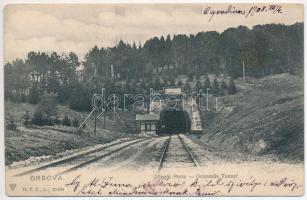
{"x":174,"y":122}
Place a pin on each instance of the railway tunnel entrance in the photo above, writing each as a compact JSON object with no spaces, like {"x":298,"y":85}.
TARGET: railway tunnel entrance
{"x":174,"y":121}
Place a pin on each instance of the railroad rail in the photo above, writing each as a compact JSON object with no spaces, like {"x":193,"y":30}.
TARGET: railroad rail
{"x":165,"y":149}
{"x":83,"y":154}
{"x":83,"y":164}
{"x":185,"y":147}
{"x":93,"y":155}
{"x":192,"y":157}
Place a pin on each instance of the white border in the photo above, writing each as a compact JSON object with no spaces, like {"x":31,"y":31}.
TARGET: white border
{"x":2,"y":163}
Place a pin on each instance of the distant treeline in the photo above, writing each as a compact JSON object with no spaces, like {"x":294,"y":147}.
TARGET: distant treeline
{"x":134,"y":68}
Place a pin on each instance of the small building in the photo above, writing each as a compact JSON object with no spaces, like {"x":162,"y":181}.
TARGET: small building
{"x":147,"y":123}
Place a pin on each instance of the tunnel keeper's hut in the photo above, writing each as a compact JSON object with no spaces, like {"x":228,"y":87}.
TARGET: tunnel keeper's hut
{"x":147,"y":123}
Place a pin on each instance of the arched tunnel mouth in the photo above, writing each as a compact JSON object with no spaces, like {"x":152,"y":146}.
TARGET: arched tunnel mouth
{"x":174,"y":122}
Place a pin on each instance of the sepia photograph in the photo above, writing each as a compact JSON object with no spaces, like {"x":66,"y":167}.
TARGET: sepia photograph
{"x":154,"y":99}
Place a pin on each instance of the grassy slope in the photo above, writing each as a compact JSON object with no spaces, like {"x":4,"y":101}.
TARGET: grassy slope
{"x":45,"y":141}
{"x":264,"y":118}
{"x":18,"y":110}
{"x":32,"y":141}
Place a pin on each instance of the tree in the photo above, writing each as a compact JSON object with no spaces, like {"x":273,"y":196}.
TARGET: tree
{"x":11,"y":125}
{"x":172,"y":82}
{"x":180,"y":83}
{"x":40,"y":67}
{"x":215,"y":87}
{"x":164,"y":84}
{"x":190,"y":77}
{"x":38,"y":118}
{"x":192,"y":55}
{"x":66,"y":121}
{"x":198,"y":86}
{"x":57,"y":121}
{"x":75,"y":122}
{"x":142,"y":87}
{"x":223,"y":90}
{"x":34,"y":95}
{"x":207,"y":84}
{"x":17,"y":80}
{"x":27,"y":119}
{"x":8,"y":81}
{"x":157,"y":85}
{"x":231,"y":87}
{"x":48,"y":106}
{"x":80,"y":97}
{"x":187,"y":87}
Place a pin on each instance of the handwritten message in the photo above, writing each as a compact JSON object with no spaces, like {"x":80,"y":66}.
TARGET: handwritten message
{"x":249,"y":12}
{"x":196,"y":186}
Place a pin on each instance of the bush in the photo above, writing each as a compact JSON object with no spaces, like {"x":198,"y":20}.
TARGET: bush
{"x":11,"y":125}
{"x":66,"y":121}
{"x":48,"y":105}
{"x":215,"y":87}
{"x":224,"y":87}
{"x":57,"y":121}
{"x":80,"y":99}
{"x":75,"y":123}
{"x":27,"y":119}
{"x":38,"y":119}
{"x":23,"y":98}
{"x":49,"y":122}
{"x":231,"y":87}
{"x":34,"y":96}
{"x":207,"y":84}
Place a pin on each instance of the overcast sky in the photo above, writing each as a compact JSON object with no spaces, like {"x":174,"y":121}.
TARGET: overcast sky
{"x":77,"y":28}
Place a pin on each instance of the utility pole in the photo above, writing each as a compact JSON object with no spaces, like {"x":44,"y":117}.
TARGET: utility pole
{"x":208,"y":98}
{"x":243,"y":70}
{"x":104,"y":121}
{"x":104,"y":114}
{"x":114,"y":117}
{"x":150,"y":96}
{"x":112,"y":72}
{"x":95,"y":125}
{"x":116,"y":40}
{"x":96,"y":109}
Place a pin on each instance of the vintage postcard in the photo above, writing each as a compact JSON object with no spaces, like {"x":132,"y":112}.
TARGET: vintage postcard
{"x":154,"y":99}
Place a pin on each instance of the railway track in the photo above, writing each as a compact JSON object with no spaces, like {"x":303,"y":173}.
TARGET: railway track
{"x":83,"y":155}
{"x":165,"y":152}
{"x":83,"y":164}
{"x":179,"y":153}
{"x":191,"y":155}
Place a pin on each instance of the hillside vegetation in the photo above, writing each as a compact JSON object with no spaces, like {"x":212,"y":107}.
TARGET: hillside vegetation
{"x":266,"y":117}
{"x":129,"y":68}
{"x":51,"y":142}
{"x":31,"y":141}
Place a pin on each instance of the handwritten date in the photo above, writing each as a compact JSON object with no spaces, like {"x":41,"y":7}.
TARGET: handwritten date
{"x":232,"y":10}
